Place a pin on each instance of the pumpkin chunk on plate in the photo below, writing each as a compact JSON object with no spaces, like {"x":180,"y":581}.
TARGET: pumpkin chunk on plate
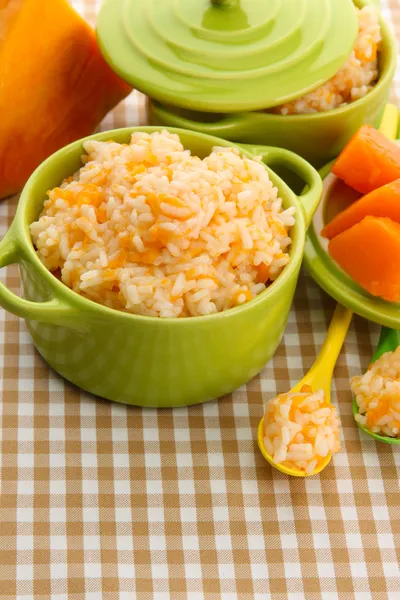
{"x":370,"y":253}
{"x":383,"y":202}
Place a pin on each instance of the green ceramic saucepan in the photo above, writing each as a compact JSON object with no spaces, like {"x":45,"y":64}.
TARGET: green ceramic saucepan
{"x":149,"y":361}
{"x":318,"y":137}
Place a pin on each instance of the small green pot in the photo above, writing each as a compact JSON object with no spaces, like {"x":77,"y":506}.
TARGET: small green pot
{"x":317,"y":137}
{"x":149,"y":361}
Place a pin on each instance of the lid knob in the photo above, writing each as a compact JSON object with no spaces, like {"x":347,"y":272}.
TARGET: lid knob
{"x":223,"y":2}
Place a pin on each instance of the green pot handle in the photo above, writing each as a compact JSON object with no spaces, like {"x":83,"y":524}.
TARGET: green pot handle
{"x":52,"y":311}
{"x":312,"y":193}
{"x":228,"y":126}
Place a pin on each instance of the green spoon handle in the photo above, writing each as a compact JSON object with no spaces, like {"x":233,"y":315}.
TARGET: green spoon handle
{"x":389,"y":340}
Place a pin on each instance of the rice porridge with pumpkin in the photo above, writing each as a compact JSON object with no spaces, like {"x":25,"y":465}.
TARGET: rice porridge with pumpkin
{"x":150,"y":229}
{"x":354,"y":80}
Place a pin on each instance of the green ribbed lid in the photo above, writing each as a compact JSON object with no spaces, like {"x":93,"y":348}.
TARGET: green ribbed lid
{"x":226,"y":55}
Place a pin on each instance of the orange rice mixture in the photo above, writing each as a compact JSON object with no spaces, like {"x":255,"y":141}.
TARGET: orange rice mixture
{"x":377,"y":395}
{"x":148,"y":228}
{"x":301,"y":429}
{"x":354,"y":80}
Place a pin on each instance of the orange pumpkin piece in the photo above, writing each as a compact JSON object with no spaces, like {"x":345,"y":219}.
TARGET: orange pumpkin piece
{"x":368,"y":161}
{"x":382,"y":409}
{"x":370,"y":253}
{"x":263,"y":273}
{"x":383,"y":202}
{"x":55,"y":86}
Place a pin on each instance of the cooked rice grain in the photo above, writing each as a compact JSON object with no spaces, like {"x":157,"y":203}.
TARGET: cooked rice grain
{"x":354,"y":80}
{"x":301,"y":429}
{"x":377,"y":395}
{"x":150,"y":229}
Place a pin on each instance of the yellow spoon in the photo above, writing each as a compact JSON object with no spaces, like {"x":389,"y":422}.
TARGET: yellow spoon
{"x":319,"y":377}
{"x":390,"y":122}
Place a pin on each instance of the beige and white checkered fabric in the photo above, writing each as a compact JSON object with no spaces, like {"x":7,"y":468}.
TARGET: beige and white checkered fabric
{"x":101,"y":501}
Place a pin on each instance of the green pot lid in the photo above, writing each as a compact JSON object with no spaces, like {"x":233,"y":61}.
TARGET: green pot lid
{"x":226,"y":55}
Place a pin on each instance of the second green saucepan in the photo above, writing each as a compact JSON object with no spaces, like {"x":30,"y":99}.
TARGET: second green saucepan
{"x":141,"y":360}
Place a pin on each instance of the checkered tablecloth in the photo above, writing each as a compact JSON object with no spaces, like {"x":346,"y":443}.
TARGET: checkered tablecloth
{"x":101,"y":501}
